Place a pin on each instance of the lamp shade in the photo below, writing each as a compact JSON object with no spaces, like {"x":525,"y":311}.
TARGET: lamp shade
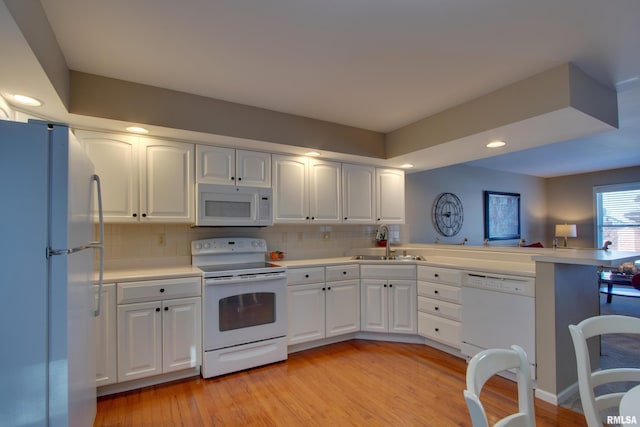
{"x":566,"y":230}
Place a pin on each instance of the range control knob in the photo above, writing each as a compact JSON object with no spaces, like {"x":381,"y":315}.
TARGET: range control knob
{"x":207,"y":245}
{"x":197,"y":246}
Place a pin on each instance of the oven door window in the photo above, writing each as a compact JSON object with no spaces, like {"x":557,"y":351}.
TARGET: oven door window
{"x":247,"y":310}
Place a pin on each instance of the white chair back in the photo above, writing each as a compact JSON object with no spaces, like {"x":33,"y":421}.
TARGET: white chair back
{"x":593,"y":405}
{"x":486,"y":364}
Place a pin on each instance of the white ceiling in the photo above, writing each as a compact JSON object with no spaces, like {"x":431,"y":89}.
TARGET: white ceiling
{"x":374,"y":64}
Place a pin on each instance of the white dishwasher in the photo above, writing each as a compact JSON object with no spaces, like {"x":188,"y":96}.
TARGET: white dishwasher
{"x":497,"y":312}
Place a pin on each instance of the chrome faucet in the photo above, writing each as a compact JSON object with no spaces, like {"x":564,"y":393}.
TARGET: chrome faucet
{"x":383,"y":233}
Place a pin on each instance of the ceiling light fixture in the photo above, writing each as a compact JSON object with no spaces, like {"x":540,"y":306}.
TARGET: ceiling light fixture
{"x":312,"y":153}
{"x":137,"y":129}
{"x":496,"y":144}
{"x":26,"y":100}
{"x":407,"y":165}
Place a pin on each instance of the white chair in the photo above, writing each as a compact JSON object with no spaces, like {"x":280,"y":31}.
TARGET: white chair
{"x":486,"y":364}
{"x":588,"y":379}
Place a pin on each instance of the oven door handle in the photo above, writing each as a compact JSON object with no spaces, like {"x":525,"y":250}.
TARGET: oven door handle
{"x":244,"y":279}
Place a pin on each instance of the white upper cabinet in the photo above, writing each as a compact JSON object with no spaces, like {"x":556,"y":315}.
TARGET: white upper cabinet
{"x":143,"y":180}
{"x":166,"y":181}
{"x":358,"y":194}
{"x":325,"y":184}
{"x":227,"y":166}
{"x":390,"y":196}
{"x":290,"y":189}
{"x":306,"y":190}
{"x":115,"y":158}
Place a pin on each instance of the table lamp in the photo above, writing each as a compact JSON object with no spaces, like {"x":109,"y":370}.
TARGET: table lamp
{"x":566,"y":230}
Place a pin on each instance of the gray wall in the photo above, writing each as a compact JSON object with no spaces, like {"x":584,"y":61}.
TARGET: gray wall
{"x":544,"y":202}
{"x":468,"y":183}
{"x":570,"y":200}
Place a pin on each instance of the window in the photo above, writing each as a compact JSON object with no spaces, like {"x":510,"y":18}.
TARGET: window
{"x":618,"y":216}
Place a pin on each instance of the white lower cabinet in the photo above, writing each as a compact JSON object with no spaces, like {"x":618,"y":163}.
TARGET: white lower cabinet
{"x":388,"y":303}
{"x":439,"y":309}
{"x":319,"y":309}
{"x":162,"y":334}
{"x":104,"y":331}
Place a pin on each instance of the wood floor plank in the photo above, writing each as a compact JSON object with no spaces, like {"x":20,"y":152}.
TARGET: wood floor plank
{"x":353,"y":383}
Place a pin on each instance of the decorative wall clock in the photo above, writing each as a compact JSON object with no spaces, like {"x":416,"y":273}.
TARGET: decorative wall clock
{"x":447,"y":214}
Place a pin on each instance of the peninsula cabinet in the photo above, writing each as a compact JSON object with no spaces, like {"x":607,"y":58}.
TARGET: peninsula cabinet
{"x":306,"y":190}
{"x":159,"y":327}
{"x":439,"y":306}
{"x":321,"y":309}
{"x":388,"y":298}
{"x":228,"y":166}
{"x":143,"y":179}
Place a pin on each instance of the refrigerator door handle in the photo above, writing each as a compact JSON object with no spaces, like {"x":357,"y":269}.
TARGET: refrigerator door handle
{"x":99,"y":245}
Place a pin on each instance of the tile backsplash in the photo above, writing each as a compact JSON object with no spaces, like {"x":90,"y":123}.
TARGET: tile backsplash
{"x":150,"y":245}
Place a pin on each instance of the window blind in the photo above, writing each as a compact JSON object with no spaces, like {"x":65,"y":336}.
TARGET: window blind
{"x":618,"y":216}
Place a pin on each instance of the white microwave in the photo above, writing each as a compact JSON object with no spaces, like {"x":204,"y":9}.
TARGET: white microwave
{"x":228,"y":205}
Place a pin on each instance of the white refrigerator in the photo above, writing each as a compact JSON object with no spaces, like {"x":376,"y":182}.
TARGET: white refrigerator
{"x":48,"y":244}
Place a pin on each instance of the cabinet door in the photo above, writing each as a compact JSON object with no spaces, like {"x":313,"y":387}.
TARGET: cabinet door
{"x":166,"y":183}
{"x":306,"y":312}
{"x":290,"y":189}
{"x":375,"y":311}
{"x":390,"y":196}
{"x":139,"y":340}
{"x":115,"y":158}
{"x":358,"y":194}
{"x":342,"y":307}
{"x":215,"y":165}
{"x":181,"y":347}
{"x":104,"y":330}
{"x":325,"y":192}
{"x":403,"y":309}
{"x":253,"y":168}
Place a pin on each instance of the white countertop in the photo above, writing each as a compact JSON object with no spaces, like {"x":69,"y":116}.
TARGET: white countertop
{"x":150,"y":273}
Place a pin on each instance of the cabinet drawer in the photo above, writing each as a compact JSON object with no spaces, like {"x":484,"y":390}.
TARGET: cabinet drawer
{"x":439,"y":291}
{"x":343,"y":272}
{"x":439,"y":275}
{"x":438,"y":329}
{"x":439,"y":308}
{"x":154,"y":290}
{"x":388,"y":271}
{"x":300,"y":276}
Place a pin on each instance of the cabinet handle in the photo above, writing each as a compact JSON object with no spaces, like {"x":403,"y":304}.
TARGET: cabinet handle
{"x":329,"y":288}
{"x":391,"y":285}
{"x":233,"y":178}
{"x":437,"y":330}
{"x":166,"y":309}
{"x":306,"y":276}
{"x":157,"y":309}
{"x":437,"y":308}
{"x":435,"y":292}
{"x":323,"y":289}
{"x":436,"y":275}
{"x":385,"y":285}
{"x":144,"y":215}
{"x":344,"y":272}
{"x":313,"y":217}
{"x":307,"y":217}
{"x":161,"y":290}
{"x":345,"y":218}
{"x":135,"y":215}
{"x":239,"y":178}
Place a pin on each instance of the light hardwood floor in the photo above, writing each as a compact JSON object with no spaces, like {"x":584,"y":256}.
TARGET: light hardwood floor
{"x":354,"y":383}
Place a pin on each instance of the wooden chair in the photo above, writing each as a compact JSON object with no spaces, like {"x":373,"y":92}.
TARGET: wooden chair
{"x":486,"y":364}
{"x":593,"y":405}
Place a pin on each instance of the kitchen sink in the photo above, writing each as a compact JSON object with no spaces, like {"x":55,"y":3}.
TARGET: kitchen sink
{"x":390,"y":258}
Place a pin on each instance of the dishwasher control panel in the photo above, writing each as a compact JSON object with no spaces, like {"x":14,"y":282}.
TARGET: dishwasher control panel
{"x":524,"y":286}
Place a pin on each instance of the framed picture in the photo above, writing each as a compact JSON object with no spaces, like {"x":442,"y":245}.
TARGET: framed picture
{"x":501,"y":215}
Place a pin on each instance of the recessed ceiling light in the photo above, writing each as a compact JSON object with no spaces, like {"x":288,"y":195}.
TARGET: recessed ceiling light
{"x":496,"y":144}
{"x":26,"y":100}
{"x":137,"y":129}
{"x":407,"y":166}
{"x":312,"y":153}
